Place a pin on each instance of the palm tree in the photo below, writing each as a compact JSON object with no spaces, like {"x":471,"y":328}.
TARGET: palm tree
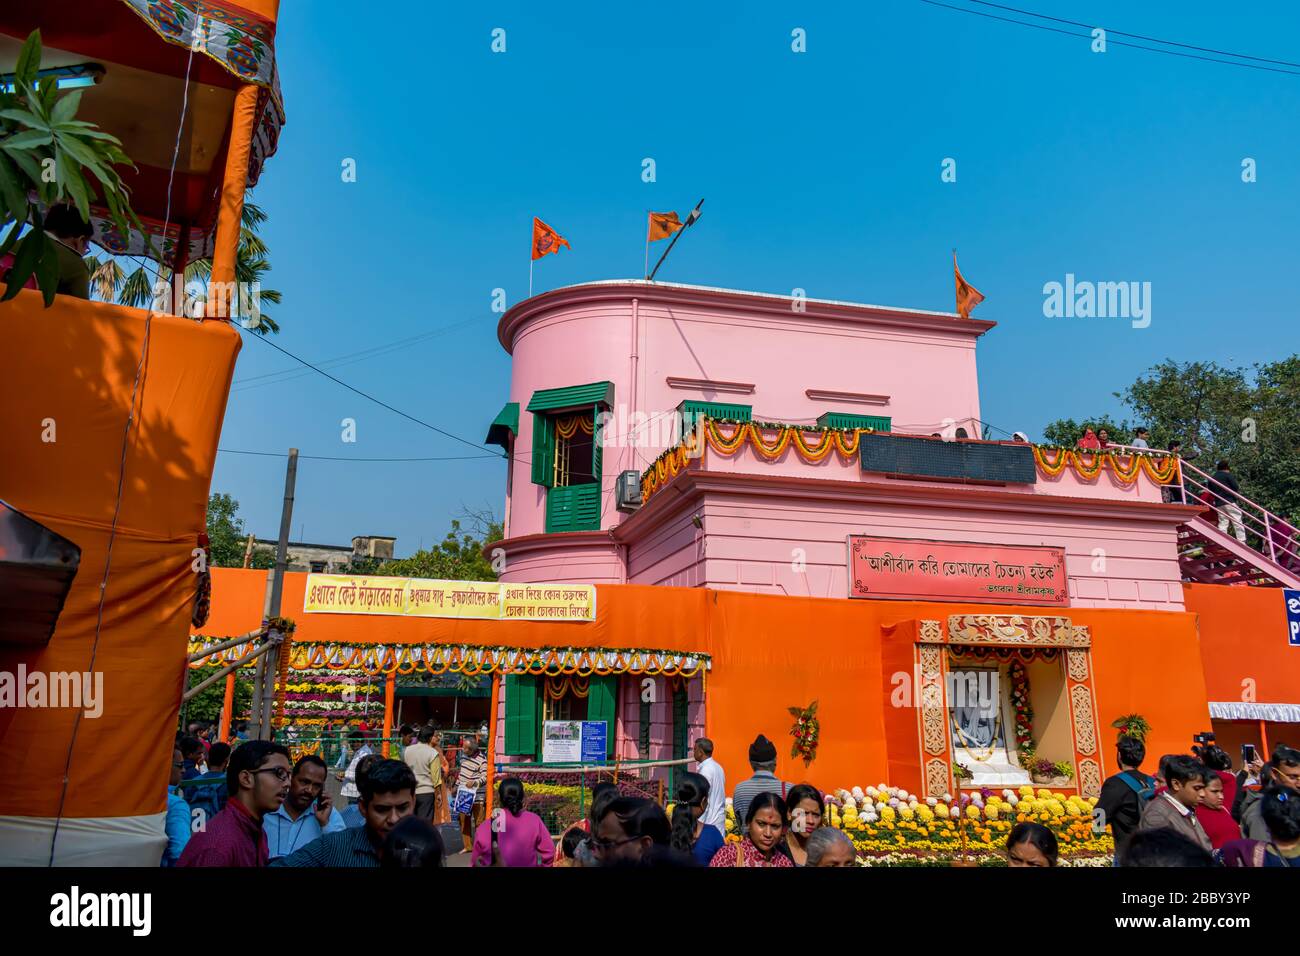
{"x":109,"y":282}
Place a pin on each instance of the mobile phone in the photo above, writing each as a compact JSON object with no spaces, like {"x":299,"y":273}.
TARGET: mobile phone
{"x":1247,"y":753}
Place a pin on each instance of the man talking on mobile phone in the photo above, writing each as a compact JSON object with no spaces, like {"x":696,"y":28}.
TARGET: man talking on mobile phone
{"x":307,"y":812}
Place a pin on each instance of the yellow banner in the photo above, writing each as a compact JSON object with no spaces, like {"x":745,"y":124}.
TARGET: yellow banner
{"x":548,"y":602}
{"x":426,"y":597}
{"x":429,"y":598}
{"x":354,"y":594}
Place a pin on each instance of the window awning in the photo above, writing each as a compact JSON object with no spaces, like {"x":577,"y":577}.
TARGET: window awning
{"x":572,"y":396}
{"x":507,"y":420}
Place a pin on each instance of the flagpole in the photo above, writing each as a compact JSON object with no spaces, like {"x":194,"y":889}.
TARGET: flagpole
{"x":530,"y":277}
{"x":676,"y":235}
{"x":646,"y":273}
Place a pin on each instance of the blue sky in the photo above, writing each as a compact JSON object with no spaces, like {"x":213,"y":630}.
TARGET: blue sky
{"x":821,"y":171}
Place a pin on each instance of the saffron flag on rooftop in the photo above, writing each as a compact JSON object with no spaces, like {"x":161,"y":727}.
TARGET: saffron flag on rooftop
{"x":967,"y":295}
{"x":546,"y":240}
{"x":662,"y":225}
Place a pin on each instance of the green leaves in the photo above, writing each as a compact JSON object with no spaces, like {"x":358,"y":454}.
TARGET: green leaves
{"x":29,"y":61}
{"x":46,"y":150}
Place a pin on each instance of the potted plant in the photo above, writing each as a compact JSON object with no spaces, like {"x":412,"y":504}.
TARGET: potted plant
{"x":962,"y":772}
{"x":1063,"y":768}
{"x":40,"y":133}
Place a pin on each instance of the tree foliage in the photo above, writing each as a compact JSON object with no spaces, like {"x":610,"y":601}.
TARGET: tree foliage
{"x":111,"y":283}
{"x":227,"y":537}
{"x":1248,"y":416}
{"x":459,"y":557}
{"x":206,"y":704}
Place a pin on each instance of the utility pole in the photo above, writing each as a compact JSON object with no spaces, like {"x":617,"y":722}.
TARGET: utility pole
{"x":268,"y":670}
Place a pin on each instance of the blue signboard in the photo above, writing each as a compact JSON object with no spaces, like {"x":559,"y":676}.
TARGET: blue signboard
{"x":1292,"y":599}
{"x":594,"y":746}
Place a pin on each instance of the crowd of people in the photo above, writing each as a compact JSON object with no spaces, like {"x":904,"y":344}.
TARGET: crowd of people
{"x":1194,"y":811}
{"x":1220,"y":494}
{"x":253,"y":807}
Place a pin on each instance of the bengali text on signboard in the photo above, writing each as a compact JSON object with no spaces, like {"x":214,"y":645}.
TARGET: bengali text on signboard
{"x":922,"y":570}
{"x":425,"y":597}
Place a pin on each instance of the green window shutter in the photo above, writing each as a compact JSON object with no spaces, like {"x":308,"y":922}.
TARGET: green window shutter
{"x":597,"y":454}
{"x":575,"y":508}
{"x":602,"y":703}
{"x":521,"y":715}
{"x":691,"y":412}
{"x":543,"y":450}
{"x":680,"y":712}
{"x":878,"y":423}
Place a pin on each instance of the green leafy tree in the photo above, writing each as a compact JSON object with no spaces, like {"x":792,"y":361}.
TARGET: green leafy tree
{"x":40,"y":133}
{"x":459,"y":557}
{"x":227,"y":537}
{"x":111,"y":283}
{"x":206,"y":704}
{"x":1250,"y":417}
{"x":1066,"y":431}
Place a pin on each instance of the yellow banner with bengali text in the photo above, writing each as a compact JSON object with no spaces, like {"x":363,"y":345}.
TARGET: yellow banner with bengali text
{"x":548,"y":602}
{"x":427,"y":597}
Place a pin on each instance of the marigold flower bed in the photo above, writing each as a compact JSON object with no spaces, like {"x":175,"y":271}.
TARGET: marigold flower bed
{"x":891,"y":827}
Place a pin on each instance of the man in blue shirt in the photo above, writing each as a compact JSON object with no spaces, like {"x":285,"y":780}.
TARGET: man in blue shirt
{"x":387,"y":798}
{"x":307,"y":812}
{"x":177,"y":823}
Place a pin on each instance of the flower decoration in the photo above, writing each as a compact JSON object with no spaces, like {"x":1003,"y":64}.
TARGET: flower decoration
{"x":806,"y":732}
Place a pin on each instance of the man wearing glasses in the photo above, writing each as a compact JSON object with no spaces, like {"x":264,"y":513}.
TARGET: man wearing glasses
{"x":257,"y":781}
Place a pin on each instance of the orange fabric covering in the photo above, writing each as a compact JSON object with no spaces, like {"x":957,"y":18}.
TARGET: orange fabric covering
{"x":75,"y":363}
{"x":772,"y":652}
{"x":630,"y":615}
{"x":226,"y":244}
{"x":1244,"y":637}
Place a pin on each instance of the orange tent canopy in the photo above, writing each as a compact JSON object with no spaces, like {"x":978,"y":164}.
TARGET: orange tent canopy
{"x":145,"y":50}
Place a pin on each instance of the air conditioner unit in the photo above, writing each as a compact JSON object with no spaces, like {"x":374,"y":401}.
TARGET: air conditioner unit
{"x":627,"y":495}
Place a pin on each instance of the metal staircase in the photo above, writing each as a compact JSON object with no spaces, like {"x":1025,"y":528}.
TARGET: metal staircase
{"x":1209,"y":551}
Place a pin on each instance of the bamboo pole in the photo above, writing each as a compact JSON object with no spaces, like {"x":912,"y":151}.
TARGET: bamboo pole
{"x":228,"y":669}
{"x":233,"y":642}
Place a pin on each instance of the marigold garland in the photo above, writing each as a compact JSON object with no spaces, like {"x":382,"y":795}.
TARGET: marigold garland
{"x":1162,"y":470}
{"x":671,"y":462}
{"x":472,"y":660}
{"x":1019,"y":677}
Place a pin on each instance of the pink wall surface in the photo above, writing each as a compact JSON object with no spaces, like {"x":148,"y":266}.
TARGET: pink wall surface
{"x":662,"y":344}
{"x":754,"y":532}
{"x":757,"y":350}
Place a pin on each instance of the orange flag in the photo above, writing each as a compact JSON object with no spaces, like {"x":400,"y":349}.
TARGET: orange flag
{"x":662,"y":225}
{"x":967,"y":295}
{"x":546,"y":240}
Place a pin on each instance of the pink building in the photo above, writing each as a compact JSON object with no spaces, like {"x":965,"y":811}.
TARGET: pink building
{"x":606,"y":374}
{"x":624,"y":361}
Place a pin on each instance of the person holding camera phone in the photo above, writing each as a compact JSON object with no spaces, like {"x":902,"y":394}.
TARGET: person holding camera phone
{"x":307,"y":812}
{"x":1282,"y":771}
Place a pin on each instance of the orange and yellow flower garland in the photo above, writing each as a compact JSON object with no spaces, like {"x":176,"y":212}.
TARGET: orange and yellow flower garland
{"x":1088,"y":465}
{"x":472,"y":660}
{"x":670,"y":463}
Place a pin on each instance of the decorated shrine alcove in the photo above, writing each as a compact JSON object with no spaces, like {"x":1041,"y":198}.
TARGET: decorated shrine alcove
{"x":992,"y":684}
